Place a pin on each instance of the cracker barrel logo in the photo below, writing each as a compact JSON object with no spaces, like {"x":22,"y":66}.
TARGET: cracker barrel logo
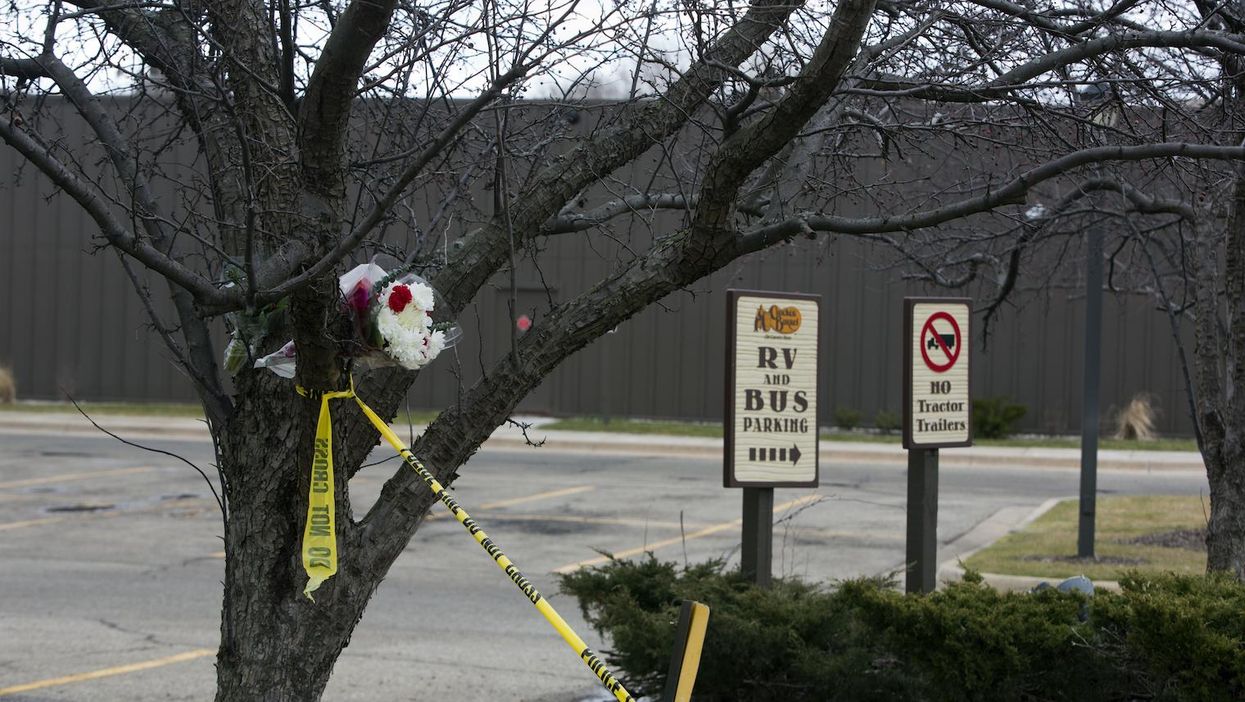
{"x":784,"y":320}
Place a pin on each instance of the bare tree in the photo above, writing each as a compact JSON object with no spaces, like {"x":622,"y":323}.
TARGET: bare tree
{"x":305,"y":134}
{"x":1126,"y":119}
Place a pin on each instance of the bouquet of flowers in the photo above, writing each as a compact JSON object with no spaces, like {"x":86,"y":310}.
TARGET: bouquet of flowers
{"x":391,"y":315}
{"x":392,"y":312}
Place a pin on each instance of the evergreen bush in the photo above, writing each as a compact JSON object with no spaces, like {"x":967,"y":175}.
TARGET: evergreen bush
{"x":996,"y":417}
{"x":1163,"y":638}
{"x":846,"y":418}
{"x":887,"y":422}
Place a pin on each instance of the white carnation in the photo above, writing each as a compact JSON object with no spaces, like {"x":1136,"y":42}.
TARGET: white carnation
{"x":422,"y":295}
{"x":408,"y":334}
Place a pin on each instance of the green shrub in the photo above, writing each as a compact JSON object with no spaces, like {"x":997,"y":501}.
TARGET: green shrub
{"x":786,"y":642}
{"x":887,"y":422}
{"x":1187,"y":633}
{"x":846,"y":418}
{"x":1168,"y":638}
{"x":995,"y":417}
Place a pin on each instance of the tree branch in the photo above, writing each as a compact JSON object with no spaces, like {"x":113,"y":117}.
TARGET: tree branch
{"x":1012,"y":192}
{"x":638,"y":127}
{"x":278,"y":269}
{"x":168,"y":40}
{"x":792,"y":165}
{"x":28,"y":69}
{"x":330,"y":92}
{"x":200,"y":362}
{"x":1141,"y":201}
{"x":631,"y":204}
{"x":747,"y":149}
{"x":458,"y":432}
{"x":1044,"y":22}
{"x":216,"y":402}
{"x":1017,"y":78}
{"x":670,"y":265}
{"x":113,"y":231}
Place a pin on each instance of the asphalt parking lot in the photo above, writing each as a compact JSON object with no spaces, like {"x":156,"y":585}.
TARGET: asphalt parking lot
{"x":112,"y":560}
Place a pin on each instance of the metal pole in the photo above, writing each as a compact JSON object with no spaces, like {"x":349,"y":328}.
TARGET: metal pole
{"x":1089,"y":403}
{"x":757,"y":553}
{"x":605,"y":375}
{"x":922,"y":558}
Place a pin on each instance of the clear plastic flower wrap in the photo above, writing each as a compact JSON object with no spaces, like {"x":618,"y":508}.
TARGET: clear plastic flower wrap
{"x":281,"y":361}
{"x":391,"y":315}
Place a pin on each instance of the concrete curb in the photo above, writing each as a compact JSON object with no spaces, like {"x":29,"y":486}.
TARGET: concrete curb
{"x":1024,"y":583}
{"x":989,"y":531}
{"x":57,"y":423}
{"x":511,"y":438}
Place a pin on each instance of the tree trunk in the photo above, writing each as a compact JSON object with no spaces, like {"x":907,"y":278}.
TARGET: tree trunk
{"x":1219,"y":368}
{"x":273,"y":655}
{"x":276,"y":644}
{"x":1225,"y":531}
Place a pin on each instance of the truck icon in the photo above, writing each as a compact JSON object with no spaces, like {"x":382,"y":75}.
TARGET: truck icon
{"x":948,"y":339}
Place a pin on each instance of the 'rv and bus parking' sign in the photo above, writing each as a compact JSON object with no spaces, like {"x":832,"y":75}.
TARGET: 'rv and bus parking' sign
{"x":937,"y":399}
{"x":771,"y":389}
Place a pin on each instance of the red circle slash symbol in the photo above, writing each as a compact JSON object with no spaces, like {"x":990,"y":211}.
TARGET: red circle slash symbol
{"x":949,"y":343}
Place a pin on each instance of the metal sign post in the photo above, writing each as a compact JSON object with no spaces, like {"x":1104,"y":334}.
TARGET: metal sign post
{"x":922,"y":538}
{"x":1089,"y":404}
{"x":756,"y":555}
{"x":771,"y":410}
{"x":937,"y":413}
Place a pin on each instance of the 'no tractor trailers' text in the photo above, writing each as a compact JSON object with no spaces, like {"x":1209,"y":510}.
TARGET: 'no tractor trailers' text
{"x":940,"y":425}
{"x":949,"y":406}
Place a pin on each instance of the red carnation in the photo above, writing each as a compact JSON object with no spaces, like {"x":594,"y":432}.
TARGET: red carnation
{"x":399,"y":297}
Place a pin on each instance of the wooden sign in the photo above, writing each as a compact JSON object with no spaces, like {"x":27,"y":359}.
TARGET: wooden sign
{"x":938,"y":409}
{"x":771,"y":389}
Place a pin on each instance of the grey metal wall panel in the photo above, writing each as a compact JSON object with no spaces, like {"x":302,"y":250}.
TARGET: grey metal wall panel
{"x":68,"y":318}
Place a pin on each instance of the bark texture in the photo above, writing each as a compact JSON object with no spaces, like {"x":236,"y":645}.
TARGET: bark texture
{"x":1225,"y":530}
{"x":275,"y":643}
{"x":1219,"y":359}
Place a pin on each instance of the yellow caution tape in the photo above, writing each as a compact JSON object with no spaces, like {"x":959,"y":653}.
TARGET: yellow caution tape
{"x":320,"y":540}
{"x":320,"y":532}
{"x":594,"y":663}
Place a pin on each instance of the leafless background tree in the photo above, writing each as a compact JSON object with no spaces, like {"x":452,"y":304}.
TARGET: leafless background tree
{"x":307,"y":135}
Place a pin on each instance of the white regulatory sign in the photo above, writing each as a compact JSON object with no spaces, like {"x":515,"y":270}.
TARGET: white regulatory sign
{"x":771,"y":389}
{"x":938,"y":408}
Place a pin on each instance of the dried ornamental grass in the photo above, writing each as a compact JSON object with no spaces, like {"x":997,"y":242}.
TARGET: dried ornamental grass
{"x":1136,"y":421}
{"x":8,"y":386}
